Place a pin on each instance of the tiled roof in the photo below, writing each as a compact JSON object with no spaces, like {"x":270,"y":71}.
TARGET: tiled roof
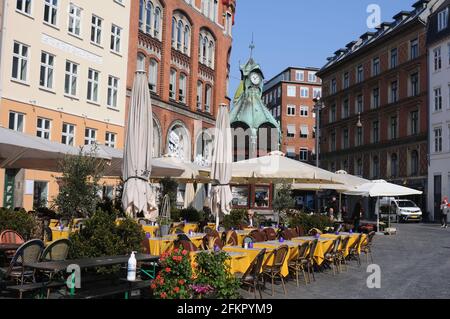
{"x":400,"y":19}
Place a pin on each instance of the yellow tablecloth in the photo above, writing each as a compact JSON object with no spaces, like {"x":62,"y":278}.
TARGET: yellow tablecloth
{"x":238,"y":261}
{"x":322,"y":247}
{"x":272,"y":245}
{"x":150,"y":229}
{"x":242,"y":264}
{"x":160,"y":245}
{"x":57,"y":233}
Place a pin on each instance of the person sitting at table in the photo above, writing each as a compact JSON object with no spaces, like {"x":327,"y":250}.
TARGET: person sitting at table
{"x":249,"y":219}
{"x":331,"y":213}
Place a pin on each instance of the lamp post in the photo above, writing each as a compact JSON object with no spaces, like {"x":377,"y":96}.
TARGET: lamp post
{"x":317,"y":108}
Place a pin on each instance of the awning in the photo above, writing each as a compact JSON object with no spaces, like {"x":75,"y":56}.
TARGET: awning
{"x":291,"y":129}
{"x":304,"y":130}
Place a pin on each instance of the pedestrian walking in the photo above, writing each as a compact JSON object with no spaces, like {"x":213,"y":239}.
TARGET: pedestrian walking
{"x":444,"y":211}
{"x":357,"y":214}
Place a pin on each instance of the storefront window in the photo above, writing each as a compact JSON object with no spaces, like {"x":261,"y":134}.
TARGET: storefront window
{"x":262,"y":196}
{"x":240,"y":195}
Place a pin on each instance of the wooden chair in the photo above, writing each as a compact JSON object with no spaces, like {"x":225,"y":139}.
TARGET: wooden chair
{"x":252,"y":275}
{"x":184,"y":242}
{"x":258,"y":236}
{"x":273,"y":271}
{"x":29,"y":252}
{"x":311,"y":262}
{"x":10,"y":237}
{"x":286,"y":234}
{"x":270,"y":233}
{"x":231,"y":238}
{"x":354,"y":250}
{"x":366,"y":248}
{"x":301,"y":262}
{"x":342,"y":251}
{"x":332,"y":257}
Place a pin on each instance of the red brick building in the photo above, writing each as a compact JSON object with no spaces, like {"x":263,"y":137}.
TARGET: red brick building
{"x":185,"y":47}
{"x":374,"y":121}
{"x":289,"y":96}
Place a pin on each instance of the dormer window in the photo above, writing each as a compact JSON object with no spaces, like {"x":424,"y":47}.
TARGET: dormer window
{"x":443,"y":20}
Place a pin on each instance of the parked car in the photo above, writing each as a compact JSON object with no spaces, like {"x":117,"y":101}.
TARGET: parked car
{"x":402,"y":210}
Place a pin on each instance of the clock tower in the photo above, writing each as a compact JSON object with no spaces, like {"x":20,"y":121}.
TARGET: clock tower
{"x":256,"y":132}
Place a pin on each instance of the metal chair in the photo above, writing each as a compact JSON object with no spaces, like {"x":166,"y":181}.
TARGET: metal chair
{"x":342,"y":251}
{"x":301,"y":262}
{"x":252,"y":275}
{"x":29,"y":252}
{"x":10,"y":237}
{"x":312,"y":251}
{"x":354,"y":250}
{"x":366,"y":248}
{"x":273,"y":271}
{"x":332,"y":257}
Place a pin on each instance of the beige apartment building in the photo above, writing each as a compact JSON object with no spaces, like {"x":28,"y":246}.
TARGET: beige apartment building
{"x":63,"y":73}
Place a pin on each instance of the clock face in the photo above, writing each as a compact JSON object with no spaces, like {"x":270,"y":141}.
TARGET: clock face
{"x":255,"y":78}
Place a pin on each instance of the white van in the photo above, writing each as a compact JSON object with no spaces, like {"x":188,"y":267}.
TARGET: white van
{"x":403,"y":209}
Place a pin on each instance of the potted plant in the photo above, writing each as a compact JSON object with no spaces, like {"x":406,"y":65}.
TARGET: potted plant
{"x":164,"y":225}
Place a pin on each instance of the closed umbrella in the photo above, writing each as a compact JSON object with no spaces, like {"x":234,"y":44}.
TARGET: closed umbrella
{"x":200,"y":196}
{"x":221,"y":195}
{"x":137,"y":158}
{"x":165,"y":215}
{"x":189,"y":195}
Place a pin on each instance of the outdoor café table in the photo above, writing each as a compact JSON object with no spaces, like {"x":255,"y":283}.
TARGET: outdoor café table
{"x":351,"y":241}
{"x":160,"y":245}
{"x":86,"y":263}
{"x":238,"y":261}
{"x":243,"y":263}
{"x":151,"y":229}
{"x":272,"y":245}
{"x":9,"y":247}
{"x":322,"y":246}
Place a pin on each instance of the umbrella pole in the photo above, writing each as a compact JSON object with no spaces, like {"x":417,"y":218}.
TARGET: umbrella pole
{"x":340,"y":207}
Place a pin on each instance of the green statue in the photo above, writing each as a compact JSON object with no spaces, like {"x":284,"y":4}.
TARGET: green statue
{"x":249,"y":109}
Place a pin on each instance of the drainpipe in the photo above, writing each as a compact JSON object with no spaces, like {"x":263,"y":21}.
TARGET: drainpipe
{"x":2,"y":45}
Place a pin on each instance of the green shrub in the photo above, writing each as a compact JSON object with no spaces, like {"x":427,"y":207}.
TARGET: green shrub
{"x":213,"y":269}
{"x":235,"y":219}
{"x":308,"y":222}
{"x":100,"y":236}
{"x":19,"y":221}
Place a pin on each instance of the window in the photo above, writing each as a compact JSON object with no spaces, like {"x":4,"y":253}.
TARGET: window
{"x":24,"y":6}
{"x":375,"y":98}
{"x":199,"y":95}
{"x":345,"y":138}
{"x":414,"y":118}
{"x":333,"y":86}
{"x":153,"y":75}
{"x":157,"y":23}
{"x":207,"y":49}
{"x":376,"y":132}
{"x":360,"y":73}
{"x":359,"y":167}
{"x":68,"y":134}
{"x":333,"y":142}
{"x":16,"y":121}
{"x":345,"y":109}
{"x":50,"y":11}
{"x":43,"y":128}
{"x":96,"y":30}
{"x":317,"y":93}
{"x":333,"y":113}
{"x":299,"y":75}
{"x":304,"y":131}
{"x":394,"y":165}
{"x":92,"y":87}
{"x":208,"y":93}
{"x":437,"y":59}
{"x":359,"y":136}
{"x":148,"y":17}
{"x":346,"y":80}
{"x":115,"y":38}
{"x":90,"y":136}
{"x":414,"y":84}
{"x":375,"y":167}
{"x":437,"y":99}
{"x":46,"y":76}
{"x":312,"y":77}
{"x":113,"y":87}
{"x":110,"y":139}
{"x":182,"y":90}
{"x":20,"y":62}
{"x":71,"y":79}
{"x":291,"y":91}
{"x":173,"y":84}
{"x":291,"y":110}
{"x":291,"y":131}
{"x":414,"y":49}
{"x":140,"y":64}
{"x":262,"y":195}
{"x":304,"y":111}
{"x":443,"y":19}
{"x":304,"y":92}
{"x":141,"y":14}
{"x":394,"y":58}
{"x":304,"y":154}
{"x":394,"y":127}
{"x":40,"y":194}
{"x":228,"y":23}
{"x":240,"y":196}
{"x":414,"y":163}
{"x":438,"y":140}
{"x":74,"y":20}
{"x":375,"y":66}
{"x":394,"y":92}
{"x":359,"y":104}
{"x":181,"y":33}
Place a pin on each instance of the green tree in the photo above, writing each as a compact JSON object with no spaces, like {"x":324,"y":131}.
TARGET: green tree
{"x":79,"y":185}
{"x":283,"y":200}
{"x":169,"y":186}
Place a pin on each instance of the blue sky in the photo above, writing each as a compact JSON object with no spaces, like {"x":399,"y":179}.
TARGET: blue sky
{"x":300,"y":32}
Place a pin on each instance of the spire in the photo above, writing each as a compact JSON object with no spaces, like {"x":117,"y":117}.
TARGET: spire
{"x":252,"y":47}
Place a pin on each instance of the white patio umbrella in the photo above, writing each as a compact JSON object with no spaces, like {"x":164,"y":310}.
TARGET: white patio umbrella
{"x":137,"y":163}
{"x":200,"y":196}
{"x":221,"y":195}
{"x":189,"y":195}
{"x":381,"y":188}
